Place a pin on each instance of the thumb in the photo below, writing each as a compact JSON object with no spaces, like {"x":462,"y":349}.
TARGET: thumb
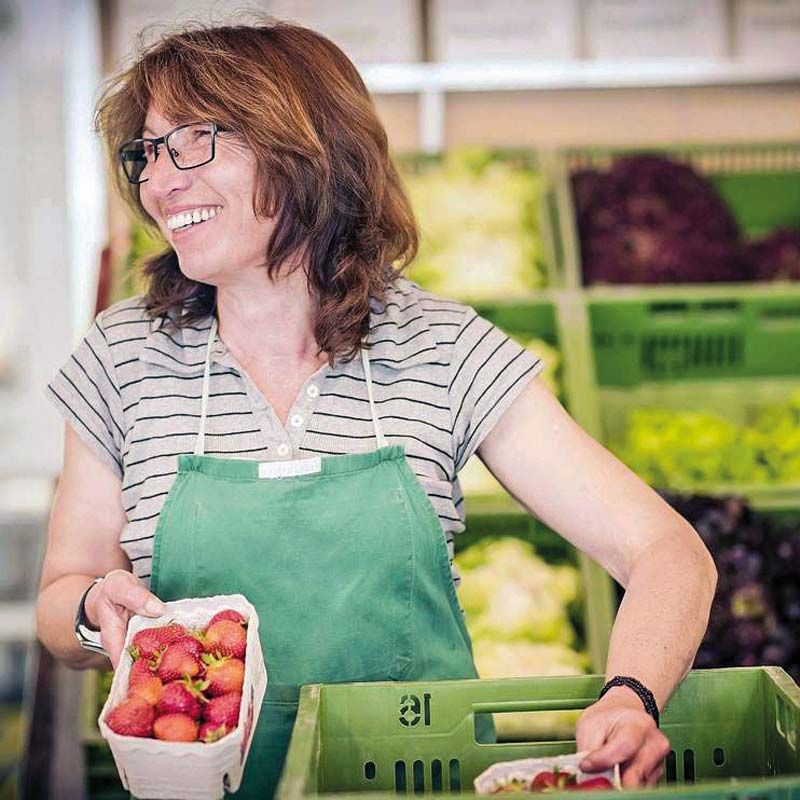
{"x":131,"y":593}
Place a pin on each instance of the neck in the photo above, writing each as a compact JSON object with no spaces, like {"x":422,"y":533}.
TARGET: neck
{"x":262,"y":320}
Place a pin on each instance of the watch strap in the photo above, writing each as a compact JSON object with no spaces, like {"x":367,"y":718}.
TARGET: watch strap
{"x":88,"y":637}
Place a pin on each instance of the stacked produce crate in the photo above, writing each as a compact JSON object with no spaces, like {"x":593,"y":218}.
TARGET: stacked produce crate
{"x":695,"y":382}
{"x":485,"y":239}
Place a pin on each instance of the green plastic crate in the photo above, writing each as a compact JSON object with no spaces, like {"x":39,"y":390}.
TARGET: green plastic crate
{"x":734,"y":400}
{"x":670,"y":334}
{"x":545,"y":257}
{"x":760,"y":183}
{"x":734,"y":735}
{"x":548,"y":545}
{"x":558,"y":318}
{"x":594,"y":618}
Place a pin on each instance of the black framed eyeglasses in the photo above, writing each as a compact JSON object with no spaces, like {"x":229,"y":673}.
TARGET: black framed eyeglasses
{"x":189,"y":145}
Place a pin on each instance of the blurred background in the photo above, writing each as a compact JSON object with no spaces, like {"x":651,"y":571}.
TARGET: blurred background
{"x":616,"y":183}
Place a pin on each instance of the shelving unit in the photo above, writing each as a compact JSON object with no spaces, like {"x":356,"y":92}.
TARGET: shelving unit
{"x":433,"y":81}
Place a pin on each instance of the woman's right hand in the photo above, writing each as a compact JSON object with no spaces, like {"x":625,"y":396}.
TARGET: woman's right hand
{"x":112,"y":601}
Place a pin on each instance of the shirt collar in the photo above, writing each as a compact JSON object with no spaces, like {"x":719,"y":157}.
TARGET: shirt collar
{"x":399,"y":336}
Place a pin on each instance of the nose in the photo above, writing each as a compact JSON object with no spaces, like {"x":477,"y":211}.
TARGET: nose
{"x":163,"y":178}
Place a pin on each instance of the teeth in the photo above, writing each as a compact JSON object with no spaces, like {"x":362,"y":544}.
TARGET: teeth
{"x":191,"y":217}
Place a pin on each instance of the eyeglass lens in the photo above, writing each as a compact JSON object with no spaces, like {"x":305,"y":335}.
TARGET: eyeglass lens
{"x":189,"y":146}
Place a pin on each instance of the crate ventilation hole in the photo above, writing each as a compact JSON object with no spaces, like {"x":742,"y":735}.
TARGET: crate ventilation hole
{"x":417,"y":776}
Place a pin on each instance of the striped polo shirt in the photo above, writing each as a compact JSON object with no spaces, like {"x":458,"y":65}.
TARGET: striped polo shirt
{"x":442,"y":377}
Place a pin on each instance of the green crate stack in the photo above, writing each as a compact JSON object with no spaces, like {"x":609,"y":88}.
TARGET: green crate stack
{"x":550,"y":319}
{"x":101,"y":778}
{"x":729,"y":351}
{"x":759,"y":182}
{"x":734,"y":735}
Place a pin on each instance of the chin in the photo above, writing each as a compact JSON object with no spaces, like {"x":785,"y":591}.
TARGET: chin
{"x":199,"y":272}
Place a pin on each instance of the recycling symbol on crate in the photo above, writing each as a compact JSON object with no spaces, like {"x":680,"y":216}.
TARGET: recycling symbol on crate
{"x":412,"y":711}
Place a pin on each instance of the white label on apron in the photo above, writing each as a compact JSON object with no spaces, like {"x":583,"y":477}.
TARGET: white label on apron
{"x":287,"y":469}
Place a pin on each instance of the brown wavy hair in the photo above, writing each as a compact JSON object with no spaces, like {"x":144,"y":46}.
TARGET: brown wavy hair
{"x":323,"y":166}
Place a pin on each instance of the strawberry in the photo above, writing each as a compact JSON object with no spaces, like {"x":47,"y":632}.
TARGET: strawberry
{"x":181,"y":697}
{"x":175,"y":728}
{"x":141,"y":670}
{"x":177,"y":662}
{"x":544,"y":781}
{"x":223,"y":710}
{"x":226,"y":638}
{"x":224,"y":675}
{"x":150,"y":689}
{"x":148,"y":642}
{"x":132,"y":717}
{"x":191,"y":644}
{"x":595,"y":783}
{"x":210,"y":732}
{"x":229,"y":614}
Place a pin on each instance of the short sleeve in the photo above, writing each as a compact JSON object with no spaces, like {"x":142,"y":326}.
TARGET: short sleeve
{"x":488,"y":371}
{"x":85,"y":392}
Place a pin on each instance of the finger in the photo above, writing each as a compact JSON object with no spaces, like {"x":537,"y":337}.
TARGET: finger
{"x":655,"y":776}
{"x":648,"y":759}
{"x":589,"y":734}
{"x":126,"y":590}
{"x":112,"y":630}
{"x":621,"y":746}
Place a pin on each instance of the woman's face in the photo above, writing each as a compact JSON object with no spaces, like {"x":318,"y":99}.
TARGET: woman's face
{"x":215,"y":250}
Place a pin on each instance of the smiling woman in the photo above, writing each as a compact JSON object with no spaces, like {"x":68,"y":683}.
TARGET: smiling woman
{"x":300,"y":130}
{"x":284,"y":415}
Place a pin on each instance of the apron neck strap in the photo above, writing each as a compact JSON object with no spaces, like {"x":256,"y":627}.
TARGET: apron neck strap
{"x":376,"y":423}
{"x":199,"y":445}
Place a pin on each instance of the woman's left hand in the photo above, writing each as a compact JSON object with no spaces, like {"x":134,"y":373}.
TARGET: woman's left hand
{"x":617,"y":730}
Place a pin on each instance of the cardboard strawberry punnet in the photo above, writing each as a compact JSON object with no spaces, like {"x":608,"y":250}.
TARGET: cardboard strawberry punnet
{"x":548,"y":774}
{"x":195,"y":770}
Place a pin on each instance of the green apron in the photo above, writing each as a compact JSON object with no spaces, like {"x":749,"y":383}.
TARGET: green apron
{"x":343,"y":557}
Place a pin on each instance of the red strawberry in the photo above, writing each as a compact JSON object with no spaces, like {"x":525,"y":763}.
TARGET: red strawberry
{"x":223,"y":710}
{"x":149,"y":689}
{"x":149,"y":641}
{"x":180,"y":697}
{"x":141,"y":670}
{"x":595,"y":783}
{"x":226,"y":638}
{"x":224,"y":675}
{"x":544,"y":781}
{"x":175,"y":728}
{"x":230,"y":614}
{"x":191,"y":644}
{"x":210,"y":732}
{"x":132,"y":717}
{"x":177,"y":662}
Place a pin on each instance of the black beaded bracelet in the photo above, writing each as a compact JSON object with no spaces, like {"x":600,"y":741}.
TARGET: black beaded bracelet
{"x":643,"y":693}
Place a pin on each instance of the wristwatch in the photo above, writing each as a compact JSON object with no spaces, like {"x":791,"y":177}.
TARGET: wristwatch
{"x":88,"y":637}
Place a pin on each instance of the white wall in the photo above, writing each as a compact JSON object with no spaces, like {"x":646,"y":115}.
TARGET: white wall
{"x":48,"y":239}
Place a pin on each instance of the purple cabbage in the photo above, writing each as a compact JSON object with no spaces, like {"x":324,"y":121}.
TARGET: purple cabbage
{"x":650,"y":219}
{"x":755,"y":615}
{"x":775,"y":257}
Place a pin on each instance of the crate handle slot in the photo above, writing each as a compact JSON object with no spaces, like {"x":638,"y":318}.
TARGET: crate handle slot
{"x":506,"y":706}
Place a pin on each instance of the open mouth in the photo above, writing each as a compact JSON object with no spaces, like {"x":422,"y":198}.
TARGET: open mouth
{"x":192,"y":219}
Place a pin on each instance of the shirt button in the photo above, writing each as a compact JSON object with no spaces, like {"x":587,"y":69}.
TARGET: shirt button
{"x":296,"y":421}
{"x":283,"y":449}
{"x":312,"y":390}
